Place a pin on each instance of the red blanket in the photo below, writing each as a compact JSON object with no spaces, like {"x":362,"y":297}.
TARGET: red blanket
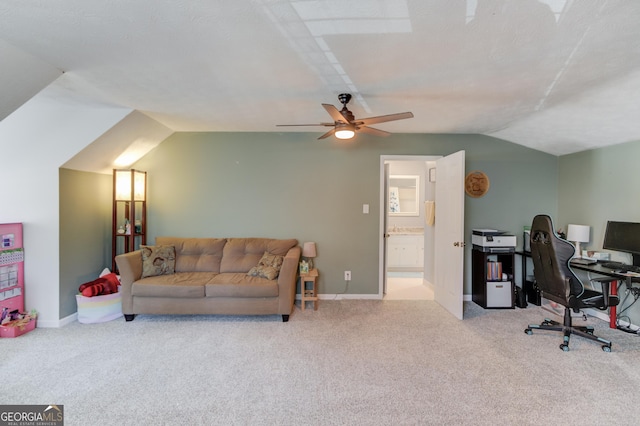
{"x":106,"y":284}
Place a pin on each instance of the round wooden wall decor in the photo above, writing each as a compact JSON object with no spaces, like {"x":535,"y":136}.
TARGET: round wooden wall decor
{"x":476,"y":184}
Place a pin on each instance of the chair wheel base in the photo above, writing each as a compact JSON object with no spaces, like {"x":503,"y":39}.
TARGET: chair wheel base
{"x":568,"y":330}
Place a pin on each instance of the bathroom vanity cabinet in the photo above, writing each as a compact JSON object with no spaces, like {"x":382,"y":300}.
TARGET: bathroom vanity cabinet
{"x":405,"y":251}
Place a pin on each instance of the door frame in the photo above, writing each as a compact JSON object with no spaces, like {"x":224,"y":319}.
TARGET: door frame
{"x":382,"y":273}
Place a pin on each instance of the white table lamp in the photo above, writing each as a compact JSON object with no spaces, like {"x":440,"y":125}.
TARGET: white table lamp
{"x":578,"y":234}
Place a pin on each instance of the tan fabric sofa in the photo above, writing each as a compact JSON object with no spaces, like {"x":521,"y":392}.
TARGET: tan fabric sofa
{"x":211,"y":278}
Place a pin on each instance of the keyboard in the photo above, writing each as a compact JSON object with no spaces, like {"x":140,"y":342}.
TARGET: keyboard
{"x":581,"y":261}
{"x":619,"y":266}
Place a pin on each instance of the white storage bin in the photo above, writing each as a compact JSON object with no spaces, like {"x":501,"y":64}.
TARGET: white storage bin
{"x":499,"y":294}
{"x":96,"y":309}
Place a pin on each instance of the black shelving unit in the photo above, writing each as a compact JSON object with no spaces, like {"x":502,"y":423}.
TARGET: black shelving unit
{"x":489,"y":290}
{"x":528,"y":282}
{"x":529,"y":285}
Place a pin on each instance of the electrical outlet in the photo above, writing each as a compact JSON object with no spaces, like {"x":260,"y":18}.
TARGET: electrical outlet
{"x":347,"y":275}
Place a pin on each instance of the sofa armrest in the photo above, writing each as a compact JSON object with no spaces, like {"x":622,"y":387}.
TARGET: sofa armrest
{"x":130,"y":270}
{"x":287,"y":281}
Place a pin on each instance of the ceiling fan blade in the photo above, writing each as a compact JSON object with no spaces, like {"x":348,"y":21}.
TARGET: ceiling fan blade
{"x":329,"y":133}
{"x":372,"y":131}
{"x":318,"y":124}
{"x":335,"y":113}
{"x":384,"y":118}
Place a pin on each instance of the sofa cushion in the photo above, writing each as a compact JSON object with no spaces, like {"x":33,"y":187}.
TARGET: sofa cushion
{"x":196,"y":254}
{"x":268,"y":267}
{"x":158,"y":260}
{"x":180,"y":284}
{"x":240,"y":285}
{"x":242,"y":254}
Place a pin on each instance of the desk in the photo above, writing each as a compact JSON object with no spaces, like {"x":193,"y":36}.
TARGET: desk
{"x":597,"y":268}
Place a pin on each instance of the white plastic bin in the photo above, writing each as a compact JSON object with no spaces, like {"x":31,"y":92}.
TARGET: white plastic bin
{"x":96,"y":309}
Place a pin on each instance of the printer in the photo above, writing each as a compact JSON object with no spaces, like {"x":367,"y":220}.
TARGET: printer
{"x":493,"y":240}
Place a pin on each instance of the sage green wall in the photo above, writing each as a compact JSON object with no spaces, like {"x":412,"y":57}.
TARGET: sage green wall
{"x":597,"y":186}
{"x":85,"y":232}
{"x":291,"y":185}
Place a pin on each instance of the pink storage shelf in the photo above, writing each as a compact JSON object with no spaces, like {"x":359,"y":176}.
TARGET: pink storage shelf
{"x":11,"y":267}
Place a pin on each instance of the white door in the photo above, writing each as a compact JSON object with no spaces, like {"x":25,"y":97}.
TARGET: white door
{"x":449,"y":230}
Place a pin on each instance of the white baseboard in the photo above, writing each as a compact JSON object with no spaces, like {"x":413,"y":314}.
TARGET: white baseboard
{"x":69,"y":319}
{"x":329,"y":296}
{"x":59,"y":323}
{"x":596,"y":313}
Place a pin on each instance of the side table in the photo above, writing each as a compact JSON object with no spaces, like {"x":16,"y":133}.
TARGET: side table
{"x":309,"y":294}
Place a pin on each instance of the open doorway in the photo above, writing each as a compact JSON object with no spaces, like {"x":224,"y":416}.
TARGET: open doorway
{"x":408,"y":286}
{"x":407,"y":194}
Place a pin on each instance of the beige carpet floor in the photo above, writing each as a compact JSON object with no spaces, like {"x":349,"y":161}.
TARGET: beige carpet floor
{"x":351,"y":362}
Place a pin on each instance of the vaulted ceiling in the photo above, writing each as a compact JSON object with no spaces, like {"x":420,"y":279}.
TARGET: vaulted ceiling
{"x":559,"y":76}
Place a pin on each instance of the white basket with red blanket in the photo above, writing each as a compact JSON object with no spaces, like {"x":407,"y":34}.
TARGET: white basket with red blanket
{"x":100,"y":300}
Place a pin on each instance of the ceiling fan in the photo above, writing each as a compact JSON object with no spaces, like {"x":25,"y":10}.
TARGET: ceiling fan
{"x":345,"y":125}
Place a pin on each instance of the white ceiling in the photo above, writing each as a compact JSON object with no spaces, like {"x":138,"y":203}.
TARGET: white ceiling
{"x":559,"y":76}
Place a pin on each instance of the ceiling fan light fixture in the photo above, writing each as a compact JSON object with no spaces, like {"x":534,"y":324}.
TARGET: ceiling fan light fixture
{"x":344,"y":124}
{"x":345,"y":131}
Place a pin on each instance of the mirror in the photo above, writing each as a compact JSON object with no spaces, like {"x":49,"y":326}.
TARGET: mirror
{"x":403,"y":195}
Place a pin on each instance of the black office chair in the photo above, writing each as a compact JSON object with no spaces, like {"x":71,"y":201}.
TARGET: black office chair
{"x":558,"y":283}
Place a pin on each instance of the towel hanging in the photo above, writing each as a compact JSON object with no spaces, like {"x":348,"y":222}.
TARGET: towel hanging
{"x":430,"y":212}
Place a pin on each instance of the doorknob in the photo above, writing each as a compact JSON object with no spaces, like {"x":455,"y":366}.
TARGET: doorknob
{"x":459,"y":244}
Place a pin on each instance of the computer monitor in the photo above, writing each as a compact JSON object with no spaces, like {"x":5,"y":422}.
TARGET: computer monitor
{"x":623,"y":237}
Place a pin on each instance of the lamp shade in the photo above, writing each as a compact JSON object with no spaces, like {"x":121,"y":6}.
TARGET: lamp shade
{"x":127,"y":181}
{"x":309,"y":250}
{"x":578,"y":233}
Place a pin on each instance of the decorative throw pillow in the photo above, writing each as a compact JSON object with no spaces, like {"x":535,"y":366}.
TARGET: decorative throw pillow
{"x":158,"y":260}
{"x":268,"y":267}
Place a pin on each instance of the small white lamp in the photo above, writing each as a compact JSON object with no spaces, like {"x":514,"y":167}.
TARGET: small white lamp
{"x":578,"y":234}
{"x":309,"y":252}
